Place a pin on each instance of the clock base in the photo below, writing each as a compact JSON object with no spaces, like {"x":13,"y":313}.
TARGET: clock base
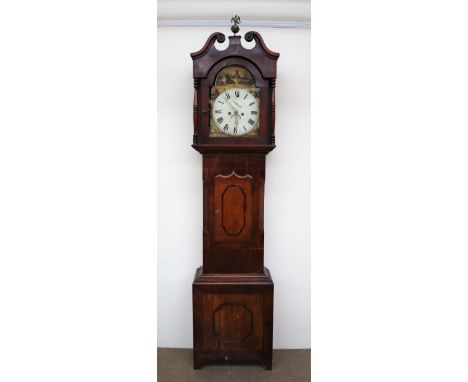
{"x":232,"y":318}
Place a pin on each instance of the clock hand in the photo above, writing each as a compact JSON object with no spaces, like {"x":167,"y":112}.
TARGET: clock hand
{"x":234,"y":107}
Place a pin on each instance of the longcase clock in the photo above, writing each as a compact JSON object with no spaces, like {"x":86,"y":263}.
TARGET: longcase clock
{"x":234,"y":129}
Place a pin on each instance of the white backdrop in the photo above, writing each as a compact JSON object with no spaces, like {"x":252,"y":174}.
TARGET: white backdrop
{"x":78,"y":184}
{"x":287,"y":203}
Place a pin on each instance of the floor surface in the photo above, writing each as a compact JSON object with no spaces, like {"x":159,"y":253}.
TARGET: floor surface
{"x":176,"y":365}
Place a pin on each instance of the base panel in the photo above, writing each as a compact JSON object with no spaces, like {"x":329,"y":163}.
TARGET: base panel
{"x":232,"y":318}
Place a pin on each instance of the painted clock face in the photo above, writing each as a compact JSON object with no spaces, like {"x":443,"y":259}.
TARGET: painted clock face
{"x":235,"y":112}
{"x":235,"y":103}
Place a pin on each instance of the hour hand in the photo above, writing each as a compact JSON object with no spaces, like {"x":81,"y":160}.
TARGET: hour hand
{"x":233,"y":106}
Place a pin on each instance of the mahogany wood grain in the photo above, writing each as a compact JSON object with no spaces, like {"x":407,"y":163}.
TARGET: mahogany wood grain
{"x":233,"y":212}
{"x":233,"y":317}
{"x":233,"y":291}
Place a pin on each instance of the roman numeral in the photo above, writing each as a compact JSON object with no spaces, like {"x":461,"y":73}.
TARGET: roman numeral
{"x":244,"y":128}
{"x":236,"y":93}
{"x":235,"y":130}
{"x":251,"y":122}
{"x":221,"y":102}
{"x":226,"y":127}
{"x":246,"y":95}
{"x":227,"y":95}
{"x":220,"y":119}
{"x":251,"y":103}
{"x":218,"y":111}
{"x":253,"y":112}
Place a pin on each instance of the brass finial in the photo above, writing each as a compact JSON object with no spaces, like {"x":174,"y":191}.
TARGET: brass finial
{"x":235,"y":27}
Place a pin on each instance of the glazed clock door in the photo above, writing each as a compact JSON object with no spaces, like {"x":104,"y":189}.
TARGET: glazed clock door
{"x":235,"y":103}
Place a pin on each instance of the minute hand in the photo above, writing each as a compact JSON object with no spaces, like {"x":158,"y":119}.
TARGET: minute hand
{"x":233,"y":106}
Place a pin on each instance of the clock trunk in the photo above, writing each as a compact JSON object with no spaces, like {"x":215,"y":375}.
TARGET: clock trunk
{"x":233,"y":186}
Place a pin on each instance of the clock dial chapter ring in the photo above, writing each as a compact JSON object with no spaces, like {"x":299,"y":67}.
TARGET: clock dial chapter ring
{"x":235,"y":112}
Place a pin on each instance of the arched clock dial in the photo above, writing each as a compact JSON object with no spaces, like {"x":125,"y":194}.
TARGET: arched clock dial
{"x":236,"y":112}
